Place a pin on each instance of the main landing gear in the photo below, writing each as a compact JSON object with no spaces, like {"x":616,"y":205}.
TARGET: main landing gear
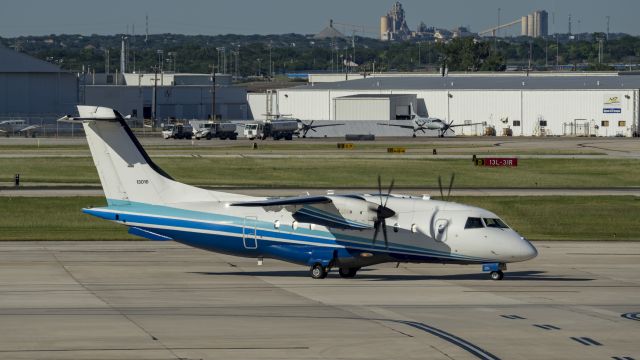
{"x":318,"y":271}
{"x":495,"y":270}
{"x":496,"y":275}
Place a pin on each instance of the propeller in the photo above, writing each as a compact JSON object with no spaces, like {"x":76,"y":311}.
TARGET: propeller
{"x":446,"y":128}
{"x":306,"y":128}
{"x":382,"y":213}
{"x":451,"y":180}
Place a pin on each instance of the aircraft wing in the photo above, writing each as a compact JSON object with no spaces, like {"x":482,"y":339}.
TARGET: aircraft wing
{"x":32,"y":127}
{"x":325,"y":125}
{"x":335,"y":211}
{"x":398,"y":125}
{"x":458,"y":125}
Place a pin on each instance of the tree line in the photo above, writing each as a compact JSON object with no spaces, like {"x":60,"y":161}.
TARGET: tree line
{"x":255,"y":55}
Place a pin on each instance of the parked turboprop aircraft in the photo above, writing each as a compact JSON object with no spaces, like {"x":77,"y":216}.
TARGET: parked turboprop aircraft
{"x":16,"y":126}
{"x":419,"y":123}
{"x":321,"y":232}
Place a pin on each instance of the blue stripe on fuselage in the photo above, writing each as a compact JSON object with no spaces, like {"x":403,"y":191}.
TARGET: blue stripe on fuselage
{"x":163,"y":216}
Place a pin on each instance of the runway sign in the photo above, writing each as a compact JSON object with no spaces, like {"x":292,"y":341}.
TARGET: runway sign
{"x":497,"y":162}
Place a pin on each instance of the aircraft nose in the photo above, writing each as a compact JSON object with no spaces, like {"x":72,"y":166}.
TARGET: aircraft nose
{"x":526,"y":251}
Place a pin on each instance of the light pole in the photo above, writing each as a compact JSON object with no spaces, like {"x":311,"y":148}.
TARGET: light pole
{"x":449,"y":96}
{"x":155,"y":98}
{"x":213,"y":92}
{"x":419,"y":54}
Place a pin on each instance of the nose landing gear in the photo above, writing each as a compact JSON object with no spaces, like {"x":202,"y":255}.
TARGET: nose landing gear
{"x":495,"y":270}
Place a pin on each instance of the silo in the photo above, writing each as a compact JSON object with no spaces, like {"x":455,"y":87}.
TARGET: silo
{"x":543,"y":24}
{"x":384,"y":28}
{"x":531,"y":25}
{"x":524,"y":26}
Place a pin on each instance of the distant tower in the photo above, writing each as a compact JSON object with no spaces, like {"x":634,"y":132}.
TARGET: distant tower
{"x":123,"y":56}
{"x":608,"y":23}
{"x":393,"y":26}
{"x":569,"y":24}
{"x":542,"y":23}
{"x":146,"y":34}
{"x":524,"y":29}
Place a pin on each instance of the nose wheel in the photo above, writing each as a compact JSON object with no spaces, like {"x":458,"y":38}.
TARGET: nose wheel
{"x":494,"y":270}
{"x":496,"y":275}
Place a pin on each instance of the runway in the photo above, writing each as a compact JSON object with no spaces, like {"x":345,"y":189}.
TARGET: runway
{"x":145,"y":300}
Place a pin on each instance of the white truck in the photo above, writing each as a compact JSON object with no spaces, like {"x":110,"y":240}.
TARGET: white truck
{"x":218,"y":130}
{"x":276,"y":129}
{"x":177,"y":131}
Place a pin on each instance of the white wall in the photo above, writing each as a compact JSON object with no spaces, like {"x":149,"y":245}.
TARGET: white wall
{"x":554,"y":106}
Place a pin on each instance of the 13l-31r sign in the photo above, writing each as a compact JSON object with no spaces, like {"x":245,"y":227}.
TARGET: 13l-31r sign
{"x":497,"y":162}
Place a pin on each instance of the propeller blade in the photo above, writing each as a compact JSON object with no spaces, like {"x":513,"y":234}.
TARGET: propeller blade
{"x":389,"y":193}
{"x":440,"y":186}
{"x":314,"y":130}
{"x":376,"y":226}
{"x":453,"y":176}
{"x":380,"y":188}
{"x":384,"y":233}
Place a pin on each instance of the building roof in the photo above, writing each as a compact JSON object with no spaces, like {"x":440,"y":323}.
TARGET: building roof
{"x":564,"y":82}
{"x":373,"y":96}
{"x":12,"y":61}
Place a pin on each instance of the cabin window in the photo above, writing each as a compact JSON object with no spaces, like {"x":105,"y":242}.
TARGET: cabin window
{"x":516,"y":122}
{"x":622,"y":123}
{"x":473,"y":223}
{"x":495,"y":223}
{"x":604,"y":123}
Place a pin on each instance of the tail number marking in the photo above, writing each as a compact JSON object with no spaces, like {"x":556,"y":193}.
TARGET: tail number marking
{"x":142,"y":182}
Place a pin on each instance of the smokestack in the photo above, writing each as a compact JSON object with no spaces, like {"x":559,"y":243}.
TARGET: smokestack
{"x":123,"y":56}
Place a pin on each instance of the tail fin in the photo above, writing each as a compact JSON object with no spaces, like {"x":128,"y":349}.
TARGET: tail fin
{"x":126,"y":172}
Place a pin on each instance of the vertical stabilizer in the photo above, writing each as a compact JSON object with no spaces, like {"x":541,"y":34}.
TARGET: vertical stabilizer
{"x":126,"y":172}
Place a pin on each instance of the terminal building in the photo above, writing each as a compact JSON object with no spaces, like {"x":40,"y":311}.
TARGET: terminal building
{"x":506,"y":104}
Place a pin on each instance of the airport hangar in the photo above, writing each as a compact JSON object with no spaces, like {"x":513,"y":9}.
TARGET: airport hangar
{"x":545,"y":104}
{"x":40,"y":92}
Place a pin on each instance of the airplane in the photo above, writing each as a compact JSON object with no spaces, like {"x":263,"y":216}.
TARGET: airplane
{"x":319,"y":231}
{"x":304,"y":128}
{"x":16,"y":126}
{"x":422,"y":124}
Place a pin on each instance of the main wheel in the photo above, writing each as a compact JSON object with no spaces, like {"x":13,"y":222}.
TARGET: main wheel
{"x":318,"y":271}
{"x":497,"y":275}
{"x":348,"y":272}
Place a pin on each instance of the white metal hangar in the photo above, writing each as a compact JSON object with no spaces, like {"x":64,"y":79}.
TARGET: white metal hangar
{"x":549,"y":105}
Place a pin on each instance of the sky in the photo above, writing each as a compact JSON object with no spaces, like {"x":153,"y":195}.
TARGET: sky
{"x":212,"y":17}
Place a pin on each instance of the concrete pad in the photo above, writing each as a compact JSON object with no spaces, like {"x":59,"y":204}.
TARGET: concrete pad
{"x":146,"y":300}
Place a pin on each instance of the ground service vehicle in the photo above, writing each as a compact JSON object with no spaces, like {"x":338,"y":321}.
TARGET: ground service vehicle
{"x":177,"y":131}
{"x":219,"y":130}
{"x":276,"y":129}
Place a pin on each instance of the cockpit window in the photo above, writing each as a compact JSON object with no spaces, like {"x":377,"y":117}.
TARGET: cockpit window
{"x":495,"y":223}
{"x":473,"y":223}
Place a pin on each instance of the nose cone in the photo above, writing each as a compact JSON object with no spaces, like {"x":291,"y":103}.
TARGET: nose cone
{"x":526,"y":251}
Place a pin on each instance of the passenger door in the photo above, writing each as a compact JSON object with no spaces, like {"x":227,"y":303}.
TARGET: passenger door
{"x":249,"y":232}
